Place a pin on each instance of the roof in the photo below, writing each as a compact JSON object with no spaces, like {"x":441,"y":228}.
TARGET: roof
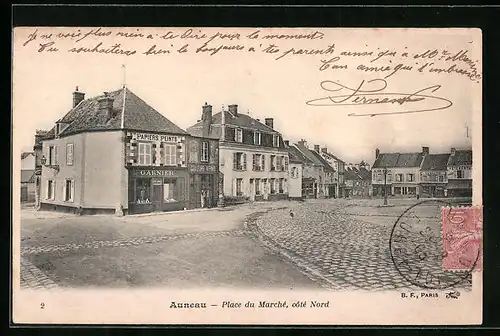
{"x":24,"y":155}
{"x":239,"y":120}
{"x":27,"y":175}
{"x":365,"y":173}
{"x":138,"y":116}
{"x":332,"y":156}
{"x":461,"y":157}
{"x":435,"y":162}
{"x":308,"y":153}
{"x":325,"y":163}
{"x":351,"y":174}
{"x":293,"y":150}
{"x":398,"y":160}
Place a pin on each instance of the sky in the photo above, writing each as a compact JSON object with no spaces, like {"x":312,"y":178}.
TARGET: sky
{"x":177,"y":85}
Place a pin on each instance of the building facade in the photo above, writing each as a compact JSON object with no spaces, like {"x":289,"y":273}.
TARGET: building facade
{"x":313,"y":173}
{"x":338,"y":166}
{"x":433,"y":175}
{"x":397,"y":174}
{"x":253,"y":160}
{"x":115,"y":153}
{"x":329,"y":174}
{"x":28,"y":177}
{"x":358,"y":180}
{"x":459,"y":173}
{"x":295,"y":173}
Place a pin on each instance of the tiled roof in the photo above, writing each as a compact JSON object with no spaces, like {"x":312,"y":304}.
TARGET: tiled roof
{"x":332,"y":156}
{"x":298,"y":154}
{"x":351,"y":174}
{"x":435,"y":162}
{"x":240,"y":120}
{"x":399,"y":160}
{"x":308,"y":153}
{"x":326,"y":165}
{"x":461,"y":157}
{"x":365,"y":173}
{"x":138,"y":116}
{"x":27,"y":175}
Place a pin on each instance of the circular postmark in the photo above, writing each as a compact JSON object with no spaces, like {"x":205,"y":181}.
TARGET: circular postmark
{"x":416,"y":247}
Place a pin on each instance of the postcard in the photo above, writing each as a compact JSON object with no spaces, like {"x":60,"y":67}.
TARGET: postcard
{"x":249,"y":176}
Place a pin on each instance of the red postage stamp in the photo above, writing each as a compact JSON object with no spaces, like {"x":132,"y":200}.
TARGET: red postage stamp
{"x":462,"y":238}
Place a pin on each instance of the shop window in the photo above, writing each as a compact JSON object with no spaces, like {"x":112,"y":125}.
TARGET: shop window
{"x":239,"y":187}
{"x":69,"y":190}
{"x":412,"y":190}
{"x":143,"y":191}
{"x":239,"y":161}
{"x":397,"y":190}
{"x":170,"y":155}
{"x":257,"y":138}
{"x":273,"y":186}
{"x":169,"y":191}
{"x":204,"y":151}
{"x":51,"y":188}
{"x":69,"y":154}
{"x":145,"y":154}
{"x":280,"y":186}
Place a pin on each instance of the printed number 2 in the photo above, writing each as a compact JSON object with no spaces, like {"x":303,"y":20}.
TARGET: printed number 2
{"x":42,"y":305}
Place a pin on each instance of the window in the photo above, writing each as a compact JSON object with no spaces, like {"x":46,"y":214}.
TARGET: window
{"x":286,"y":163}
{"x":424,"y":176}
{"x":280,"y":186}
{"x":257,"y":138}
{"x":144,"y":154}
{"x":258,"y":162}
{"x":273,"y":185}
{"x":280,"y":164}
{"x":294,"y":173}
{"x":69,"y":154}
{"x":170,"y":155}
{"x":389,"y":177}
{"x":257,"y":186}
{"x":273,"y":162}
{"x":411,"y":177}
{"x":204,"y":151}
{"x":51,"y":188}
{"x":276,"y":140}
{"x":143,"y":191}
{"x":69,"y":190}
{"x":441,"y":178}
{"x":238,"y":136}
{"x":460,"y":174}
{"x":399,"y":177}
{"x":52,"y":155}
{"x":169,"y":191}
{"x":239,"y":187}
{"x":379,"y":177}
{"x":239,"y":161}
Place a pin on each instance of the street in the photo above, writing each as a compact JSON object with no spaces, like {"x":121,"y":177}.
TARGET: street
{"x":333,"y":244}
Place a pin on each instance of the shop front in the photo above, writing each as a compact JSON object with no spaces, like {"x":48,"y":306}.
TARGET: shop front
{"x":308,"y":187}
{"x":459,"y":188}
{"x":203,"y":186}
{"x":157,"y":189}
{"x":433,"y":190}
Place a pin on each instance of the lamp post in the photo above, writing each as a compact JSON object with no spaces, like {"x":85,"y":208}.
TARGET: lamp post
{"x":385,"y":186}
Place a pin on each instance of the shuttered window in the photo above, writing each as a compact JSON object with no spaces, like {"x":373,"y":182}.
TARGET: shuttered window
{"x":145,"y":154}
{"x":170,"y":155}
{"x":69,"y":190}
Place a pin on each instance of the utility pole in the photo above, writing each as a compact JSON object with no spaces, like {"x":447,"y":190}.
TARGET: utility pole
{"x":385,"y":186}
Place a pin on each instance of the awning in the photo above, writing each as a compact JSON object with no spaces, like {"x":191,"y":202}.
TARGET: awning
{"x":459,"y":184}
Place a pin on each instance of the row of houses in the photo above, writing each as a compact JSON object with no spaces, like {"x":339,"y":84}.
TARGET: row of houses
{"x":116,"y":153}
{"x":423,"y":174}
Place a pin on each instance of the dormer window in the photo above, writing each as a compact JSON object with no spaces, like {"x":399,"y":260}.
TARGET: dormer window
{"x":238,"y":135}
{"x":257,"y":138}
{"x":276,"y":142}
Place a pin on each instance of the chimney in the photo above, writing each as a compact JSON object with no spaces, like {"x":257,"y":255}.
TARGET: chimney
{"x":453,"y":151}
{"x":206,"y":117}
{"x":324,"y":150}
{"x":269,"y":122}
{"x":425,"y":150}
{"x":106,"y":106}
{"x":233,"y":109}
{"x":77,"y":97}
{"x":377,"y":153}
{"x":316,"y":148}
{"x":302,"y":142}
{"x":287,"y":143}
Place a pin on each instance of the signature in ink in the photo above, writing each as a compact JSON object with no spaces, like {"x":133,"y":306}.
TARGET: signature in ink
{"x":372,"y":93}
